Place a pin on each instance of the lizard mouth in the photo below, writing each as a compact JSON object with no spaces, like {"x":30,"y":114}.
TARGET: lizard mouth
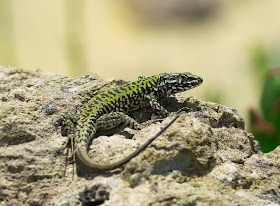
{"x":192,"y":82}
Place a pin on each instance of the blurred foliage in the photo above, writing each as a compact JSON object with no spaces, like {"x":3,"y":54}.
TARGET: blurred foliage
{"x":214,"y":95}
{"x":265,"y":121}
{"x":261,"y":60}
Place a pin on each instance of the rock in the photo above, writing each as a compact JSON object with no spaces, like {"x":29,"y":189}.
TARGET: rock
{"x":204,"y":158}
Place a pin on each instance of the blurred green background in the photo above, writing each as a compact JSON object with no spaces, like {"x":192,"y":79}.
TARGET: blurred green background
{"x":233,"y":45}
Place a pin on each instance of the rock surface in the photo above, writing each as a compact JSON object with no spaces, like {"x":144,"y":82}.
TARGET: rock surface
{"x":204,"y":158}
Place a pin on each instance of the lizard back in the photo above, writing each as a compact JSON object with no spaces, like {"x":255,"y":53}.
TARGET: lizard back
{"x":125,"y":98}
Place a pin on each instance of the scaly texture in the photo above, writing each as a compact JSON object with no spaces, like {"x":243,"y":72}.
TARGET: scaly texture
{"x":108,"y":109}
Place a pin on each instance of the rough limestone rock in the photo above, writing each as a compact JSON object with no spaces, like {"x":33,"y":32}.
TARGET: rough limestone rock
{"x":204,"y":158}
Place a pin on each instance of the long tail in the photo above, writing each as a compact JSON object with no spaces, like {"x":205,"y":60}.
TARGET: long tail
{"x":84,"y":158}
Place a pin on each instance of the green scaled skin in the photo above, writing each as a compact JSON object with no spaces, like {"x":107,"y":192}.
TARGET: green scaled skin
{"x":108,"y":109}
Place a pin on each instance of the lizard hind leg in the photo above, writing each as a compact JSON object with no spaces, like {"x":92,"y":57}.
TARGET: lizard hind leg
{"x":68,"y":124}
{"x":111,"y":120}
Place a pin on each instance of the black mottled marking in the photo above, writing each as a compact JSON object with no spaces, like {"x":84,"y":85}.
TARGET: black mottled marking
{"x":104,"y":95}
{"x":98,"y":98}
{"x":107,"y":108}
{"x":111,"y":104}
{"x":128,"y":96}
{"x":98,"y":113}
{"x":83,"y":121}
{"x":116,"y":90}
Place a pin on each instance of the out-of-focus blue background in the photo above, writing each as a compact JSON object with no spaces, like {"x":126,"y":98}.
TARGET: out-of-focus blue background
{"x":231,"y":44}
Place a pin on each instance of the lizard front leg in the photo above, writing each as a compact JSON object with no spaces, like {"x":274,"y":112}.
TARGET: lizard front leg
{"x":68,"y":122}
{"x":160,"y":110}
{"x":157,"y":108}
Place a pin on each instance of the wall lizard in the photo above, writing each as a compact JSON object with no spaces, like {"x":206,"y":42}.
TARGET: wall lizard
{"x":109,"y":108}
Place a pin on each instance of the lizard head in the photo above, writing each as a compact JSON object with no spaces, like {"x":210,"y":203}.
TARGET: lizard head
{"x":171,"y":83}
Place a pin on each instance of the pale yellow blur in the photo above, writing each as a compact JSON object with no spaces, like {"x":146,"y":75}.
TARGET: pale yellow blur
{"x":108,"y":38}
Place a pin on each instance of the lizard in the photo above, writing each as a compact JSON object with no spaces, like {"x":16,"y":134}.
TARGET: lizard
{"x":108,"y":109}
